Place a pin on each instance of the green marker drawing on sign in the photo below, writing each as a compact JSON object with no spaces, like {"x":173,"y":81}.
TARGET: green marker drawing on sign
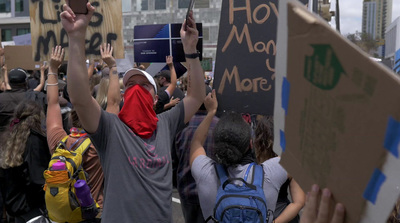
{"x":323,"y":68}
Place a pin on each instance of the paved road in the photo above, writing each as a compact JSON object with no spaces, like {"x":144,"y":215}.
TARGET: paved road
{"x":177,"y":216}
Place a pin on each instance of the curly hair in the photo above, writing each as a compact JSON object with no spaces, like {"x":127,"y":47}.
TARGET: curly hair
{"x":231,"y":139}
{"x":30,"y":116}
{"x":264,"y":139}
{"x":395,"y":215}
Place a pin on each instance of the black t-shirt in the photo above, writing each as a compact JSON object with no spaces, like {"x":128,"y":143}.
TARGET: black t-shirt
{"x":163,"y":98}
{"x":24,"y":184}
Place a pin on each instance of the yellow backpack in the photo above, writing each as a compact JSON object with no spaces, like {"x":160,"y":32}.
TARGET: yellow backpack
{"x":61,"y":201}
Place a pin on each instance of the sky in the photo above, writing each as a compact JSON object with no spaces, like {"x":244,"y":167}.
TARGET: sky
{"x":351,"y":14}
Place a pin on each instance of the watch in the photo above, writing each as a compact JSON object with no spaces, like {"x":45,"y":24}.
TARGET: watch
{"x":193,"y":55}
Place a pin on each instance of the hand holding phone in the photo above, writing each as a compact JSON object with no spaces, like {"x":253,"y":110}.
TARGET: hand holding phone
{"x":191,"y":4}
{"x":78,"y":6}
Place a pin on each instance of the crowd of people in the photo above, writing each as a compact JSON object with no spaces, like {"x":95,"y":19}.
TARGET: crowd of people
{"x":146,"y":136}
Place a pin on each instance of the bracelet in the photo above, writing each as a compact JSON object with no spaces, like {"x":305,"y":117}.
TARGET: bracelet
{"x":52,"y":74}
{"x":112,"y":66}
{"x":193,"y":55}
{"x":55,"y":84}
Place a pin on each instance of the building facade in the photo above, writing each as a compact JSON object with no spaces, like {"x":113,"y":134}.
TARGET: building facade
{"x":146,"y":12}
{"x":376,"y":16}
{"x":392,"y":40}
{"x":14,"y":18}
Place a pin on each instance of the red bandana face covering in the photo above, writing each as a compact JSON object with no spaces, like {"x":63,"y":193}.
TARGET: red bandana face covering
{"x":137,"y":112}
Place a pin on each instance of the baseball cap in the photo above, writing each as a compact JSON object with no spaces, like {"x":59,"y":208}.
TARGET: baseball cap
{"x":133,"y":71}
{"x":164,"y":73}
{"x":17,"y":76}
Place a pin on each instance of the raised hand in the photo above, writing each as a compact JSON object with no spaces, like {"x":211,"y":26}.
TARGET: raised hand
{"x":106,"y":51}
{"x":76,"y":25}
{"x":320,"y":214}
{"x":57,"y":57}
{"x":174,"y":101}
{"x":169,"y":60}
{"x":210,"y":102}
{"x":190,"y":36}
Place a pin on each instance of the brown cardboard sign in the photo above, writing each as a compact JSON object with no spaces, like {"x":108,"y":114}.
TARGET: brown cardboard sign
{"x":20,"y":57}
{"x":338,"y":116}
{"x":47,"y":31}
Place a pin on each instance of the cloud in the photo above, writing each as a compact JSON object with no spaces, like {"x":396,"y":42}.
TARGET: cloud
{"x":351,"y":15}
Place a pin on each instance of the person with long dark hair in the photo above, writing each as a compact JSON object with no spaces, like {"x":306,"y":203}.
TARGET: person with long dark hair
{"x":24,"y":156}
{"x":285,"y":211}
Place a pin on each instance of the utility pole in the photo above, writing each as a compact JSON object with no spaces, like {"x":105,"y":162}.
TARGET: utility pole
{"x":337,"y":16}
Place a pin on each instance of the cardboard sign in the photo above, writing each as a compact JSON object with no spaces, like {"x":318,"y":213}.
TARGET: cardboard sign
{"x":337,"y":116}
{"x":245,"y":62}
{"x":47,"y":32}
{"x":152,"y":43}
{"x":20,"y":57}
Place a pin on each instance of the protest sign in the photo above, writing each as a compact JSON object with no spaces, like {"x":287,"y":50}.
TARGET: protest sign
{"x":245,"y":62}
{"x":22,"y":40}
{"x":152,"y":43}
{"x":337,"y":116}
{"x":20,"y":57}
{"x":47,"y":31}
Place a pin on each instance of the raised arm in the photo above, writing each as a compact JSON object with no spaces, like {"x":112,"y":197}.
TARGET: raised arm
{"x":5,"y":85}
{"x":113,"y":94}
{"x":43,"y":69}
{"x":200,"y":136}
{"x":196,"y":87}
{"x":171,"y":88}
{"x":53,"y":118}
{"x":291,"y":211}
{"x":87,"y":108}
{"x":2,"y":62}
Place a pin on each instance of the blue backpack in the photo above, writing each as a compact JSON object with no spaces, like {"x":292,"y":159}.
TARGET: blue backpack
{"x":240,"y":204}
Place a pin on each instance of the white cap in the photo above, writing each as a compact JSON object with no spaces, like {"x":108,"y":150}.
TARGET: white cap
{"x":133,"y":71}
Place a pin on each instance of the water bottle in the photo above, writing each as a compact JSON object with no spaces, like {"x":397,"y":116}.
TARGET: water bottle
{"x":88,"y":206}
{"x":59,"y":165}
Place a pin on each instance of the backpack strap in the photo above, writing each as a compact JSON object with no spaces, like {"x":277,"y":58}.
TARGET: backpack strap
{"x":221,"y":173}
{"x":83,"y":146}
{"x":248,"y":170}
{"x":258,"y":176}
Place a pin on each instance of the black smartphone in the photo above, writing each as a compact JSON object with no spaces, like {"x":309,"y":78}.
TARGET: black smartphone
{"x":191,"y":4}
{"x":78,"y":6}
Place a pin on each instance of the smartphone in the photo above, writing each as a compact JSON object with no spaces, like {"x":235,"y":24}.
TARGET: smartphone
{"x":191,"y":4}
{"x":78,"y":6}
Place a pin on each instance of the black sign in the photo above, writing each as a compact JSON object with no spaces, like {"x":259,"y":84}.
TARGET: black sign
{"x":245,"y":63}
{"x":153,"y":42}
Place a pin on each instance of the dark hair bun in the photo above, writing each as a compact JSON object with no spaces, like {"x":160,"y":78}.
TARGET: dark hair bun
{"x":227,"y":154}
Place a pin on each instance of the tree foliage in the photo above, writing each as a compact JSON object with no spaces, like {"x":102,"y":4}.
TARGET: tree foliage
{"x":364,"y":41}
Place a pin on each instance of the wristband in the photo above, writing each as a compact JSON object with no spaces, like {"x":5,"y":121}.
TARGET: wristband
{"x":52,"y":74}
{"x":193,"y":55}
{"x":52,"y":84}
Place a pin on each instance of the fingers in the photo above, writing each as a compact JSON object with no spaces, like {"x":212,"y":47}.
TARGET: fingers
{"x":62,"y":54}
{"x":102,"y":50}
{"x":68,"y":13}
{"x":90,"y":10}
{"x":310,"y":208}
{"x":338,"y":215}
{"x":213,"y":94}
{"x":323,"y":213}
